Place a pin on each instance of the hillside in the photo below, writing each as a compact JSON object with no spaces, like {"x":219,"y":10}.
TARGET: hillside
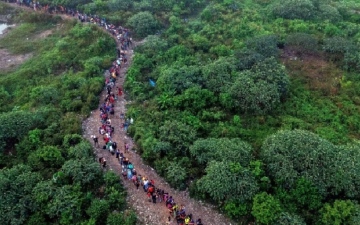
{"x":48,"y":172}
{"x":250,"y":105}
{"x":255,"y":105}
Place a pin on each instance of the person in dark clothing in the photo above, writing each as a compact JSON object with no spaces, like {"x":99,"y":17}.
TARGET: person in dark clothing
{"x":125,"y":162}
{"x":153,"y":198}
{"x":121,"y":158}
{"x":137,"y":184}
{"x":104,"y":163}
{"x":118,"y":52}
{"x":96,"y":140}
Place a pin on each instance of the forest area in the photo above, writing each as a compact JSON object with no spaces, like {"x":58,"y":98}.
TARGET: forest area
{"x":251,"y":105}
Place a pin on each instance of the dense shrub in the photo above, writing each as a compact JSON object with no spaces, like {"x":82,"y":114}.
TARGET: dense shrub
{"x":143,"y":23}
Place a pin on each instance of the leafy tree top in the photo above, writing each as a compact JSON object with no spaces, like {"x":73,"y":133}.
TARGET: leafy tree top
{"x":221,"y":149}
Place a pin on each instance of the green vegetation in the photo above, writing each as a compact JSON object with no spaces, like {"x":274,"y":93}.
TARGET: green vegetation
{"x":255,"y":105}
{"x":256,"y":102}
{"x":49,"y":174}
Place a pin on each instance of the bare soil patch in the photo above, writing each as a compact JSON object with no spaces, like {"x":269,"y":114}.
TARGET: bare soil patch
{"x":318,"y":73}
{"x":9,"y":61}
{"x":44,"y":34}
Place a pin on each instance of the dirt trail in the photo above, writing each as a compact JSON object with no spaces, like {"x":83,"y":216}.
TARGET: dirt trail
{"x":148,"y":213}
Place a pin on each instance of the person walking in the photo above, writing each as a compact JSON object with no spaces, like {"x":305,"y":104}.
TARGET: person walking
{"x":153,"y":198}
{"x":96,"y":140}
{"x":117,"y":153}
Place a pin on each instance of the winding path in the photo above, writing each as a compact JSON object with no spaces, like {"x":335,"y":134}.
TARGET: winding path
{"x":148,"y":213}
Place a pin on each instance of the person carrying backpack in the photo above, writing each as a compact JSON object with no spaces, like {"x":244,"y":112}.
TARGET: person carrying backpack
{"x":130,"y":166}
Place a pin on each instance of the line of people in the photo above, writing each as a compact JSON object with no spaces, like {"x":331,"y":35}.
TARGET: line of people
{"x":154,"y":194}
{"x":128,"y":171}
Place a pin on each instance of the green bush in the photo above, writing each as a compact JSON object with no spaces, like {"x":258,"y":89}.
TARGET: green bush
{"x":294,"y":9}
{"x":144,"y":24}
{"x":266,"y":209}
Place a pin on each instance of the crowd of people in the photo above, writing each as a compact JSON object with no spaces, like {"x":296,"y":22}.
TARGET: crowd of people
{"x":107,"y":109}
{"x":128,"y":171}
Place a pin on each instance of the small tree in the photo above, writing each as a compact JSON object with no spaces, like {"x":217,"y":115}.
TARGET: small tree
{"x":179,"y":135}
{"x":175,"y":79}
{"x":254,"y":97}
{"x":218,"y":74}
{"x":289,"y":219}
{"x":83,"y":171}
{"x":290,"y":155}
{"x":152,"y":46}
{"x":16,"y":185}
{"x":176,"y":175}
{"x":266,"y":209}
{"x":143,"y":23}
{"x":265,"y":45}
{"x":340,"y":212}
{"x":116,"y":5}
{"x":98,"y":210}
{"x":226,"y":180}
{"x":246,"y":58}
{"x":222,"y":149}
{"x":302,"y":43}
{"x":272,"y":72}
{"x":293,"y":9}
{"x":46,"y":157}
